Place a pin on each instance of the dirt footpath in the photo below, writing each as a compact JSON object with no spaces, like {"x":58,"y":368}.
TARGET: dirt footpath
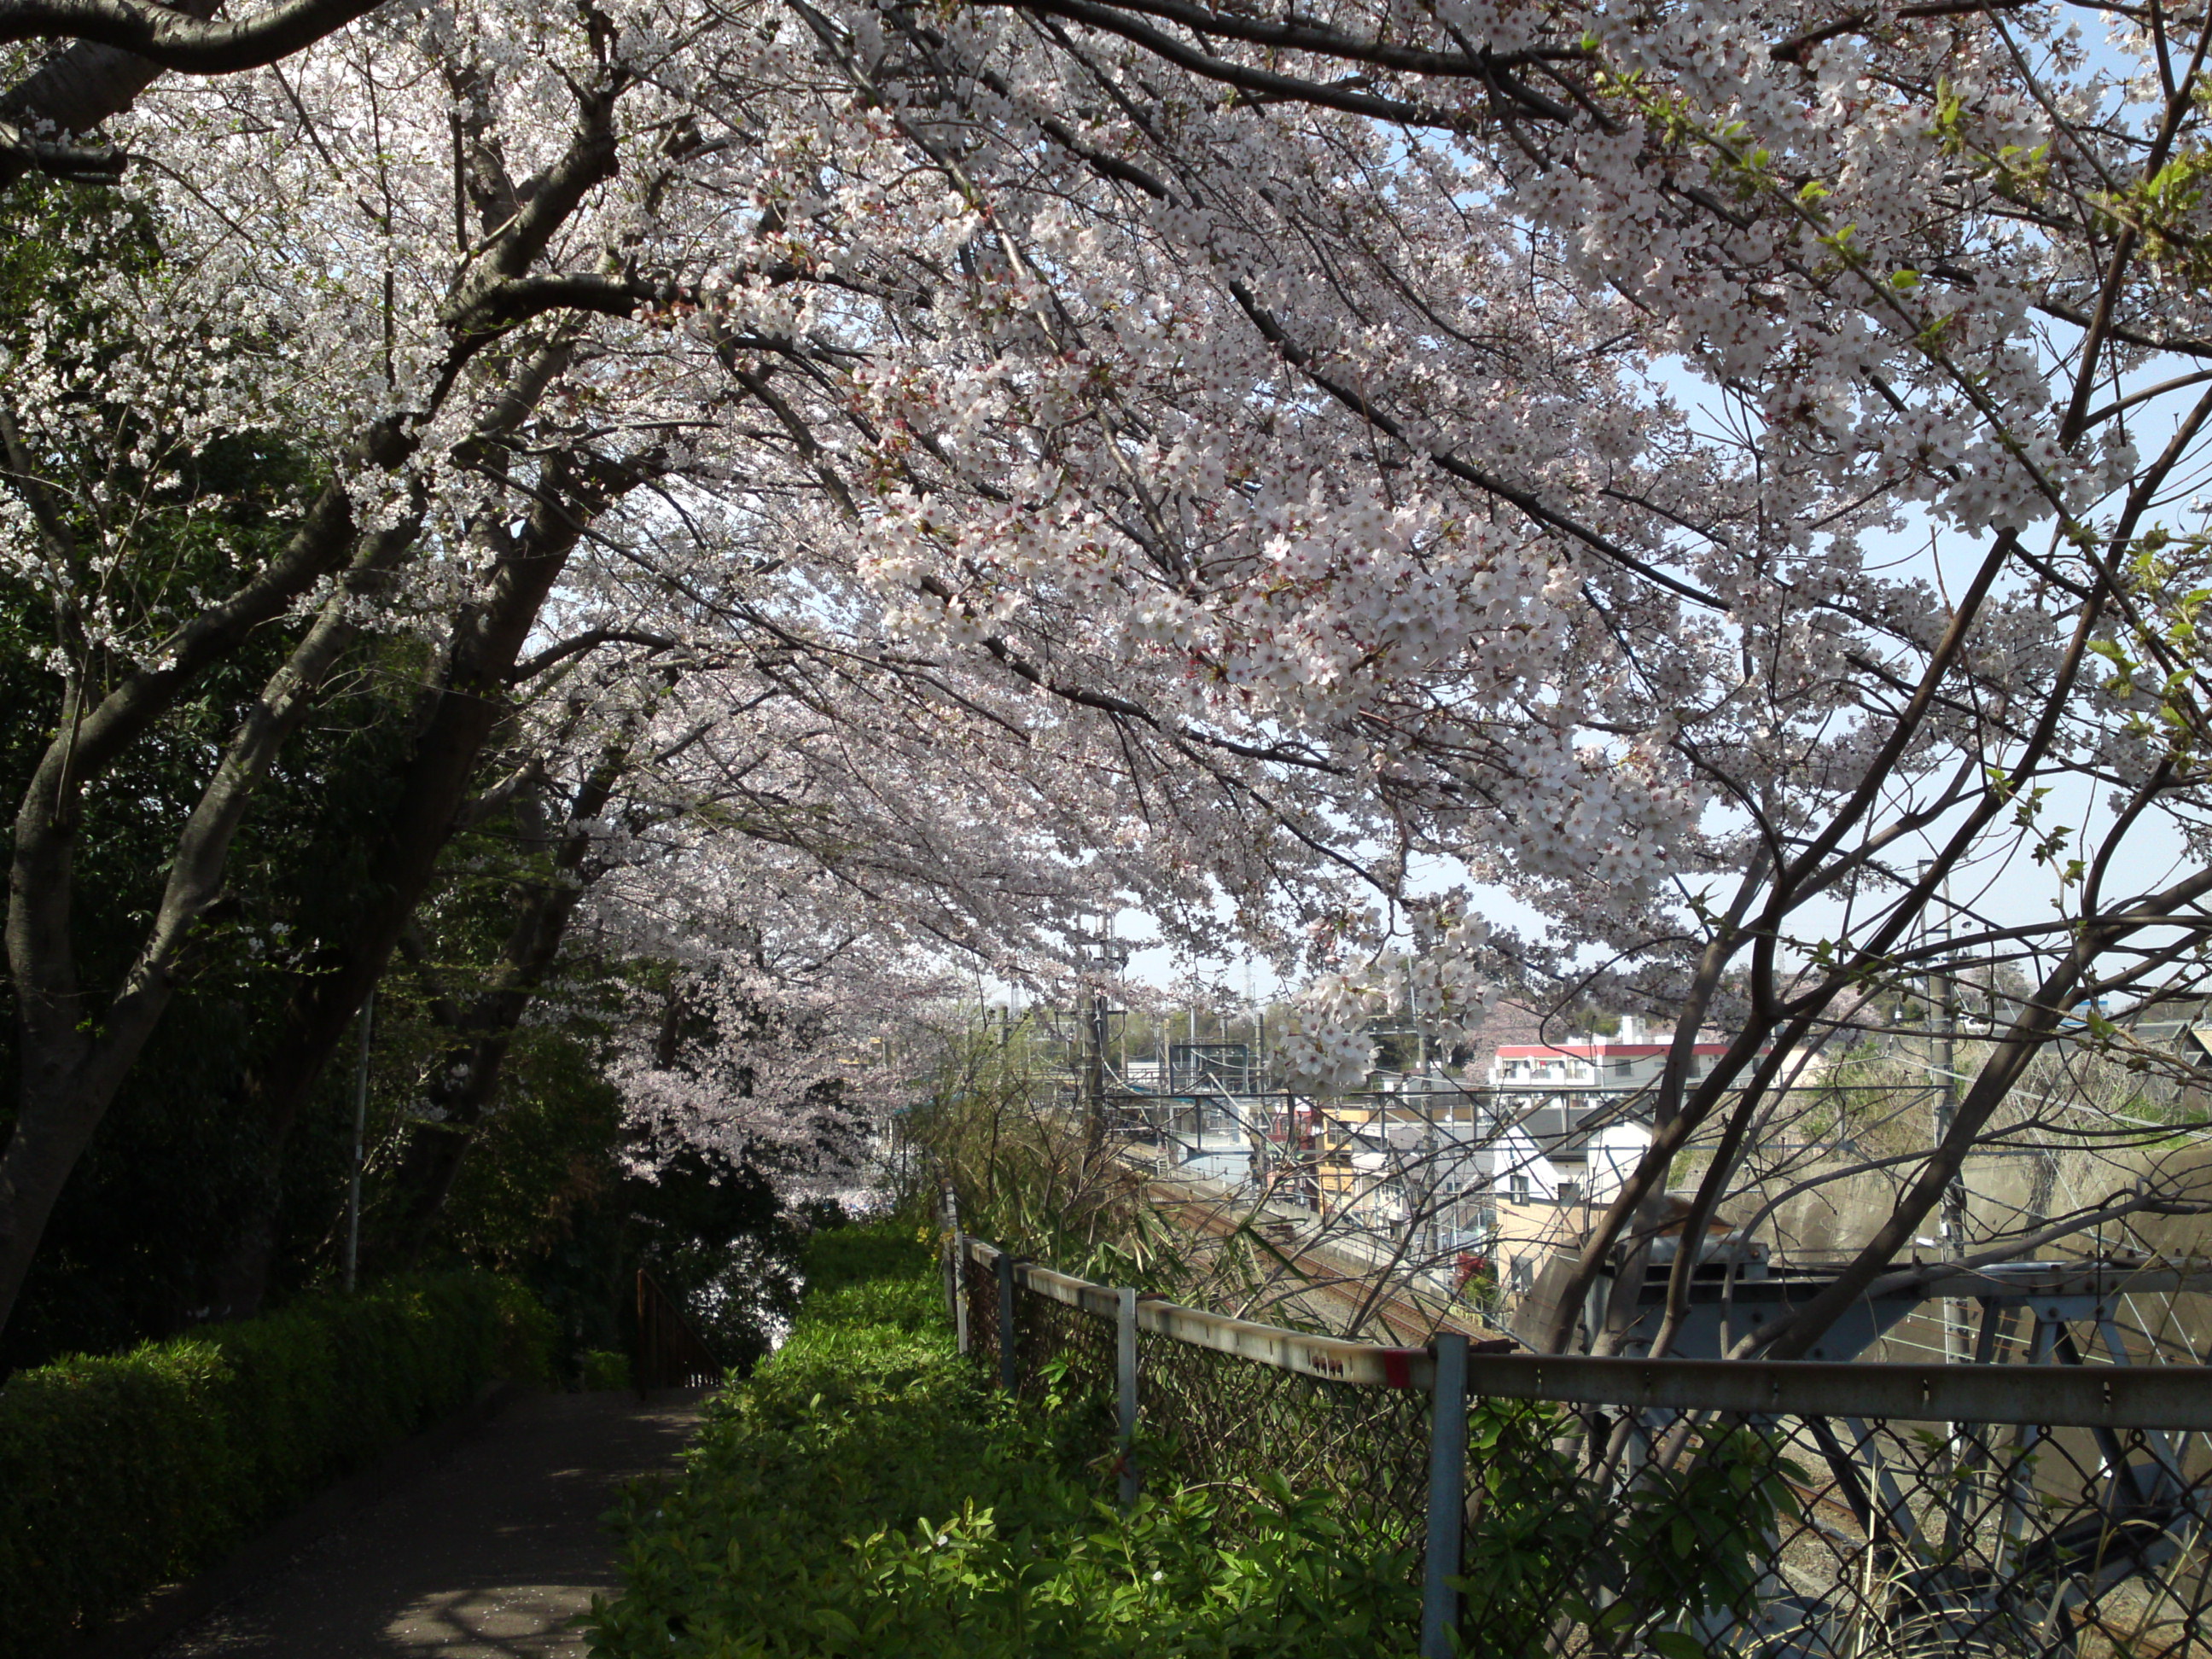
{"x":488,"y":1556}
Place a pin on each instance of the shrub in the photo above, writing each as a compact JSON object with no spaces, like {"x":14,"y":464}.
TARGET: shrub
{"x":603,"y":1368}
{"x":120,"y":1473}
{"x":865,"y":1494}
{"x":529,"y":1335}
{"x":1684,"y":1548}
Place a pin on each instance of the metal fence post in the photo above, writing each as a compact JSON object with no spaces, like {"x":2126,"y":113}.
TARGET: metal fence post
{"x":1008,"y":1375}
{"x":1447,"y":1496}
{"x":960,"y":1341}
{"x":1125,"y":1377}
{"x":955,"y":1270}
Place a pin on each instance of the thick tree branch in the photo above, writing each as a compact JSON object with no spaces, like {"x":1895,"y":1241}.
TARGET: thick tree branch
{"x":590,"y":640}
{"x":173,"y":39}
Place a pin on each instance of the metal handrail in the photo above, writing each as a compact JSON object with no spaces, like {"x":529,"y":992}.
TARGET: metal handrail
{"x":1327,"y":1356}
{"x":2178,"y":1397}
{"x":670,"y":1352}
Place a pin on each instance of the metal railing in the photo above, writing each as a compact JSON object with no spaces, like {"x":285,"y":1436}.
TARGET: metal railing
{"x":670,"y":1352}
{"x":1686,"y":1509}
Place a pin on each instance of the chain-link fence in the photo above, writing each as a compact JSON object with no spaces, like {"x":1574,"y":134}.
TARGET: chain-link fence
{"x":1212,"y":1417}
{"x":1223,"y":1416}
{"x":1690,"y":1509}
{"x":1684,"y":1533}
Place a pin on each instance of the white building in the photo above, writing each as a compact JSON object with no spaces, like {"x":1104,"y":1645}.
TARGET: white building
{"x":1629,"y":1060}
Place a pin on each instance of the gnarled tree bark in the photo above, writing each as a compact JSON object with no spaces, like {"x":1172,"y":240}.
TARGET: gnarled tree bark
{"x":464,"y":1082}
{"x":457,"y":714}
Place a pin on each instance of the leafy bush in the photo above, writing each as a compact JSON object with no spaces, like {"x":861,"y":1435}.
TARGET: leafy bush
{"x":120,"y":1473}
{"x":866,"y":1494}
{"x":529,"y":1335}
{"x":603,"y":1368}
{"x":1653,"y":1567}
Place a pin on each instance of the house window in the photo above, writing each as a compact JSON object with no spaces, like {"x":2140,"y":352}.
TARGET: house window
{"x":1517,"y":1185}
{"x":1570,"y":1191}
{"x":1524,"y":1276}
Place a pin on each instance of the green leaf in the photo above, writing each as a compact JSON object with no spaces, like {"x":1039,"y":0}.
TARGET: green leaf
{"x":830,"y":1622}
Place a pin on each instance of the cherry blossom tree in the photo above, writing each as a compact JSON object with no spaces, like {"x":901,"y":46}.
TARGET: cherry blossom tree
{"x":1930,"y":270}
{"x":194,"y":360}
{"x":1173,"y":455}
{"x":1656,"y":378}
{"x":115,"y":49}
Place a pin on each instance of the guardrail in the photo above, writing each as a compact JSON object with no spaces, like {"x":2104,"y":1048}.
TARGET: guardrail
{"x":670,"y":1352}
{"x":2178,"y":1397}
{"x":1792,"y":1510}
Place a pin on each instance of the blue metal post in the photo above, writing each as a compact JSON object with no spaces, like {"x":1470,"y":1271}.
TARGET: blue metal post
{"x":1447,"y":1496}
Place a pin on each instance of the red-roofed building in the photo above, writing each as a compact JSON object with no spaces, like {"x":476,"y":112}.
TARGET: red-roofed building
{"x":1627,"y":1061}
{"x":1595,"y":1065}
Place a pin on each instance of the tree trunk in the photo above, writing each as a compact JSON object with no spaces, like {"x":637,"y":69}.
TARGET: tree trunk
{"x":74,"y":1051}
{"x":459,"y":713}
{"x":72,"y":1056}
{"x":465,"y":1080}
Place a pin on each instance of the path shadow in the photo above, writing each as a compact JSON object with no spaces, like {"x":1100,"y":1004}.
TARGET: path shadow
{"x":491,"y":1555}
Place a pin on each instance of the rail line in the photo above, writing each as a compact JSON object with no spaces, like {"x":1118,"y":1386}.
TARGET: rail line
{"x":1321,"y":1272}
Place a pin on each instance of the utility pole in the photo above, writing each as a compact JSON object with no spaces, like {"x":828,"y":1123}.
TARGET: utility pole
{"x":1111,"y":958}
{"x":1941,"y":985}
{"x":1958,"y":1342}
{"x":1094,"y":1067}
{"x":1947,"y":1114}
{"x":1251,"y":1045}
{"x":1190,"y":1045}
{"x":359,"y":1135}
{"x":1421,"y":1194}
{"x":1941,"y":992}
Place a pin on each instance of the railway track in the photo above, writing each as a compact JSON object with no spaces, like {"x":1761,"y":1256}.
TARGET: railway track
{"x":1409,"y":1318}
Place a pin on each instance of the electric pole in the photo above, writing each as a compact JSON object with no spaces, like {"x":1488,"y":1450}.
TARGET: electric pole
{"x":1941,"y":985}
{"x":359,"y":1135}
{"x":1094,"y":1067}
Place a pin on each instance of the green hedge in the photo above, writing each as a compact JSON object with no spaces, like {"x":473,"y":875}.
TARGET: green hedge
{"x":123,"y":1472}
{"x":865,"y":1497}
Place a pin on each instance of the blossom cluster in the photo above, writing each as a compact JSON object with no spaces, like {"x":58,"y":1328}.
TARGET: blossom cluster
{"x":1058,"y":487}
